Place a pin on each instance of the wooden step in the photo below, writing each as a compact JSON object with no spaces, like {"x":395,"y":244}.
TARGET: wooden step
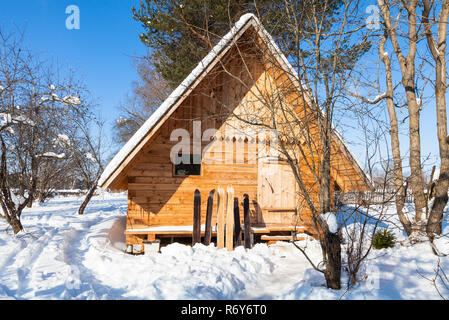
{"x":280,"y":238}
{"x":276,"y":228}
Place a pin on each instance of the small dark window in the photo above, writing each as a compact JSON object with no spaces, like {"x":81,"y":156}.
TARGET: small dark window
{"x":193,"y":168}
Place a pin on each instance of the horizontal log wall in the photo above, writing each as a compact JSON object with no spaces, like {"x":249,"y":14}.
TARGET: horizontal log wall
{"x":228,"y":92}
{"x":157,"y":197}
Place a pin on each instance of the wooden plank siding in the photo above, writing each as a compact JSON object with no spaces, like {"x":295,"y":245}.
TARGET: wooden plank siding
{"x":231,"y":90}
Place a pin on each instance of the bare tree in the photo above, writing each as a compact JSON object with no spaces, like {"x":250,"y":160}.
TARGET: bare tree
{"x":87,"y":152}
{"x":35,"y":103}
{"x":362,"y":218}
{"x":147,"y":94}
{"x":408,"y":81}
{"x":324,"y":56}
{"x":437,"y":48}
{"x":325,"y":39}
{"x":393,"y":128}
{"x":440,"y":280}
{"x":405,"y":34}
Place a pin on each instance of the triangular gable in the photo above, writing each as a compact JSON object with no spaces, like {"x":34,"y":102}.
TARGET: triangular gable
{"x":132,"y":148}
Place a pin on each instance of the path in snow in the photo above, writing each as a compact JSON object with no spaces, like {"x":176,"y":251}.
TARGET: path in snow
{"x":42,"y":262}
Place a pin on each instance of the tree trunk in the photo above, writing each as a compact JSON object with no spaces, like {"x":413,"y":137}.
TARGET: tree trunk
{"x":397,"y":163}
{"x":325,"y":183}
{"x":331,"y":243}
{"x":434,"y":223}
{"x":416,"y":174}
{"x":15,"y":224}
{"x":407,"y":66}
{"x":332,"y":273}
{"x":438,"y":50}
{"x":394,"y":137}
{"x":42,"y":196}
{"x":21,"y":190}
{"x":87,"y":199}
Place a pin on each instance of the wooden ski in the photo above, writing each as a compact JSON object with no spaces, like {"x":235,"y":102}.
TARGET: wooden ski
{"x":247,"y":222}
{"x":230,"y":219}
{"x":237,"y":227}
{"x":196,"y":234}
{"x":221,"y":215}
{"x":208,"y":227}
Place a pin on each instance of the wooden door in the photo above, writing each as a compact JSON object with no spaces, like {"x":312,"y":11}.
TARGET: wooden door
{"x":276,"y":193}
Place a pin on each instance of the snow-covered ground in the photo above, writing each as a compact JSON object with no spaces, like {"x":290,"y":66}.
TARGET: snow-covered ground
{"x":66,"y":256}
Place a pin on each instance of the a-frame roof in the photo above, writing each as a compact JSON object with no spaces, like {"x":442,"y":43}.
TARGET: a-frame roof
{"x":142,"y":136}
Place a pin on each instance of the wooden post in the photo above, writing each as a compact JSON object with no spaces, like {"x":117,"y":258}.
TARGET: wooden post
{"x":151,"y":237}
{"x":230,"y":219}
{"x":196,"y":234}
{"x":221,"y":207}
{"x":247,"y":222}
{"x":208,"y":228}
{"x":237,"y":227}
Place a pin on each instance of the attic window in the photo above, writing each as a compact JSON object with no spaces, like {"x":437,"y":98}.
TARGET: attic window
{"x":193,"y":168}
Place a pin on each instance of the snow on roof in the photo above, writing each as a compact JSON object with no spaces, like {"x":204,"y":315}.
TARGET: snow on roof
{"x":180,"y":91}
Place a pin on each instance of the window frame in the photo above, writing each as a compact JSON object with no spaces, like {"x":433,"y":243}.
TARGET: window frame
{"x":192,"y":155}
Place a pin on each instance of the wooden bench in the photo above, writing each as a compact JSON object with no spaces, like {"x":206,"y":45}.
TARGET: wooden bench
{"x":280,"y":238}
{"x":186,"y":231}
{"x":274,"y":239}
{"x":261,"y":229}
{"x":167,"y":231}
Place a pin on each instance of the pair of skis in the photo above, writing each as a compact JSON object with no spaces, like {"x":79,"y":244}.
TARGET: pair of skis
{"x":228,"y":219}
{"x":196,"y":236}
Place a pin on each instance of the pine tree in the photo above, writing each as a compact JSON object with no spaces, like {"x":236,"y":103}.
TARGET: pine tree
{"x":180,"y":33}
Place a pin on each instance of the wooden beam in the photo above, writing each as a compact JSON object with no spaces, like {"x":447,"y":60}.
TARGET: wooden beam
{"x":151,"y":237}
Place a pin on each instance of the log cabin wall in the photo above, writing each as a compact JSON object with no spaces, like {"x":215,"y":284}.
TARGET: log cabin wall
{"x":157,"y":197}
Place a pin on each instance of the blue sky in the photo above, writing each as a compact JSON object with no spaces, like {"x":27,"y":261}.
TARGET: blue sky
{"x":102,"y":52}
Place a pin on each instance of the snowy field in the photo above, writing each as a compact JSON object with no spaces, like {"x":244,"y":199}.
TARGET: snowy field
{"x":66,"y":256}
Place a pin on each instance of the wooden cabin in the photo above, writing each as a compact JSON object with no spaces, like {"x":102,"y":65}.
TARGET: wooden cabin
{"x":219,"y":107}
